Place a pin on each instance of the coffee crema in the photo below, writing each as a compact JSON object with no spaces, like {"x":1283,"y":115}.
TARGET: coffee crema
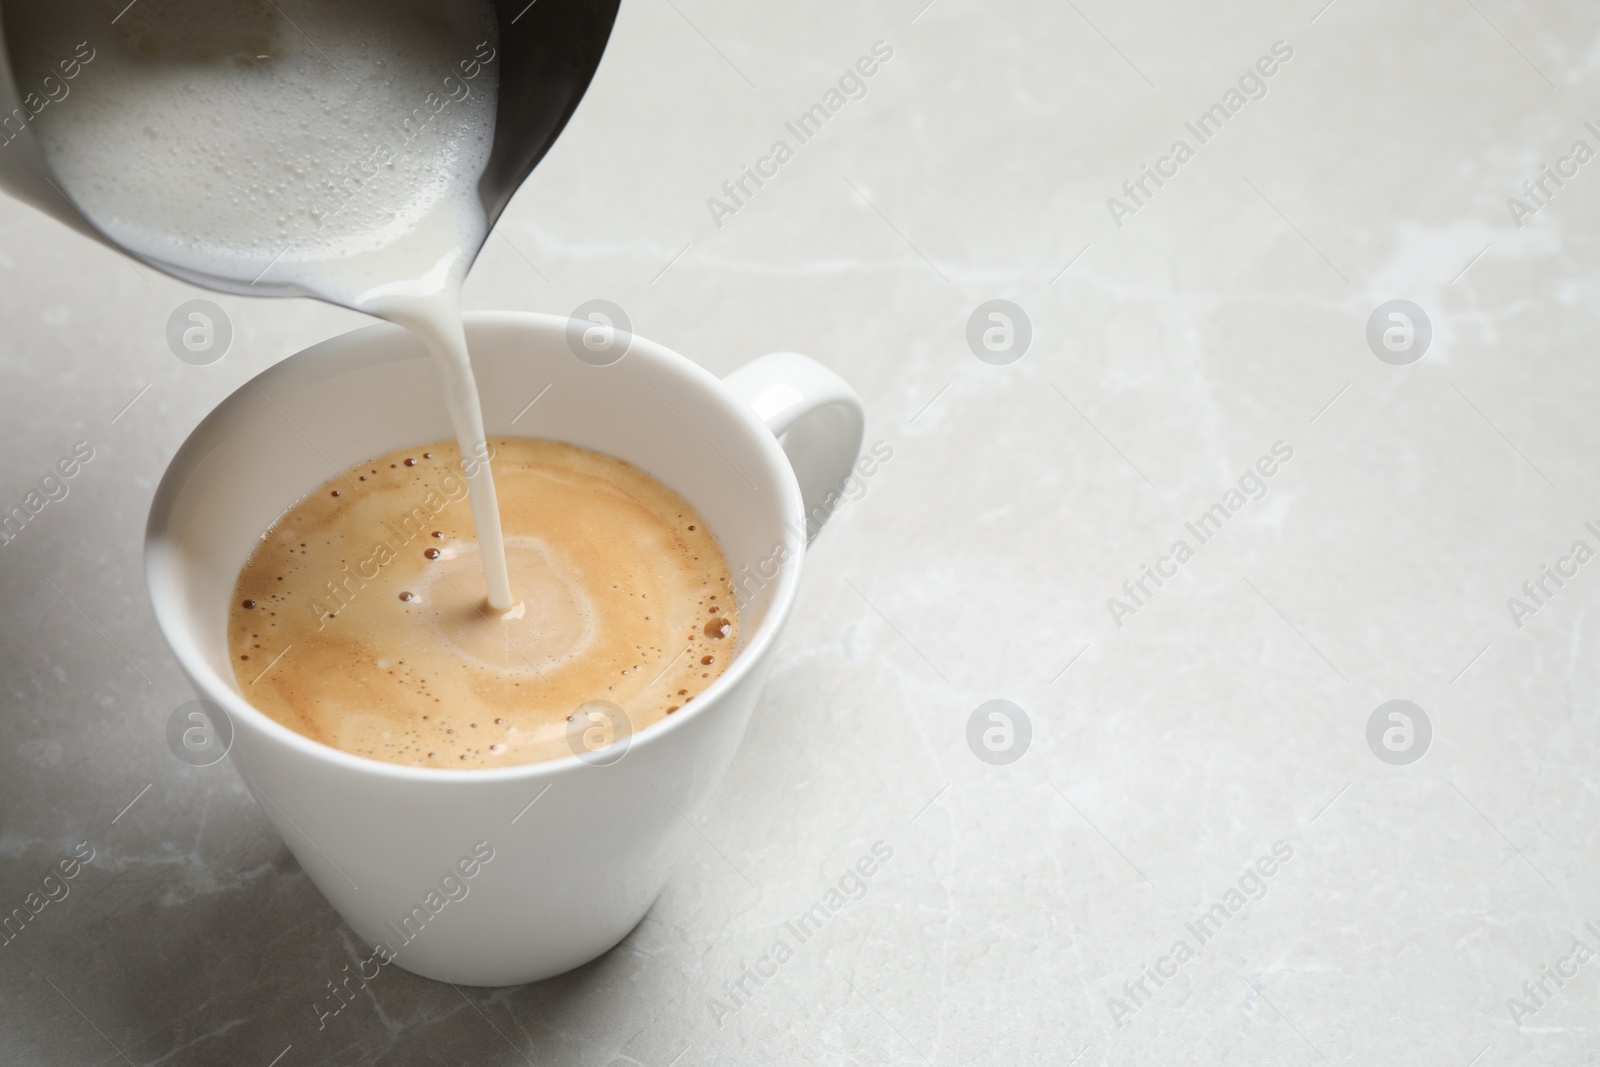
{"x":359,"y":620}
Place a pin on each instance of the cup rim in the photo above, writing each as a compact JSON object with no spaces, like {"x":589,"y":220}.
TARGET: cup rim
{"x":346,"y":351}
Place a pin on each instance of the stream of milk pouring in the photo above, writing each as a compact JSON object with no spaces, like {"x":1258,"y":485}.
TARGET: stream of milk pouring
{"x":339,"y":152}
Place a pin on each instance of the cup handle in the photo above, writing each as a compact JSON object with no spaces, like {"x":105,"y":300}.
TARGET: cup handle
{"x":815,"y":415}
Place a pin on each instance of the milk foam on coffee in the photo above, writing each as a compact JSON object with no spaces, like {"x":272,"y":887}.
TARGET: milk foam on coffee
{"x":354,"y":621}
{"x":333,"y":146}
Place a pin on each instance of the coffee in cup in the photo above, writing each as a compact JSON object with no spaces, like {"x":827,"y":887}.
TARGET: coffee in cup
{"x":359,"y":620}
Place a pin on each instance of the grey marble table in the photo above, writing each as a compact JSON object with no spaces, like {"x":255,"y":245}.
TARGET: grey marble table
{"x":1218,"y":844}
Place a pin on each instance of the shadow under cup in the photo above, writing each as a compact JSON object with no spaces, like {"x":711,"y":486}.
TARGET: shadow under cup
{"x":577,"y":851}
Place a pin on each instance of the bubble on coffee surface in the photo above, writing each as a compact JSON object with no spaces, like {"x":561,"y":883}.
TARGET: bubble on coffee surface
{"x":614,"y":594}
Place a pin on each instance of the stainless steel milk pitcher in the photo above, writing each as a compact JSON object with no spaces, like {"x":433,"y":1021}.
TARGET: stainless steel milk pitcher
{"x":548,"y":51}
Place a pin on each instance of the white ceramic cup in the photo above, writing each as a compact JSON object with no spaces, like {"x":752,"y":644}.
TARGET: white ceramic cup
{"x":390,"y":846}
